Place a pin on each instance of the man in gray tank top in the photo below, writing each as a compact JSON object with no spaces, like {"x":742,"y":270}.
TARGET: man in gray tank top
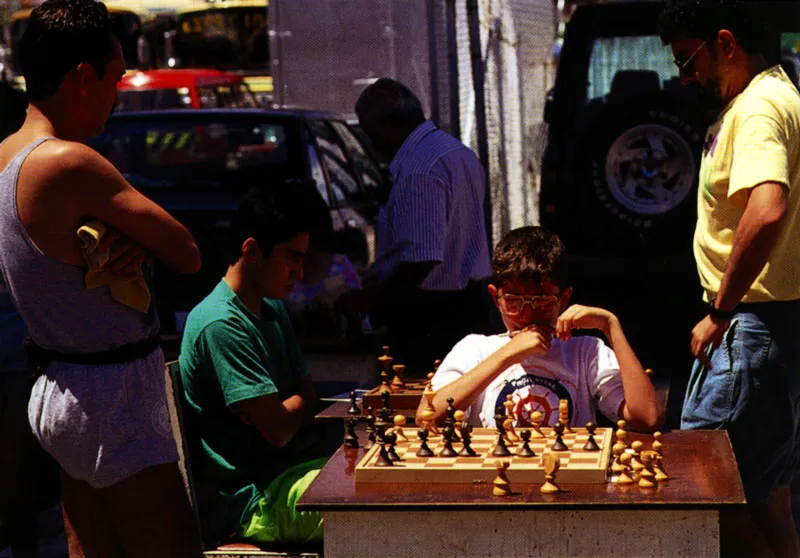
{"x":99,"y":406}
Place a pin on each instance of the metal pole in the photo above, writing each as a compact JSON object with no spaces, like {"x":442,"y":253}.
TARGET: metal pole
{"x":276,"y":50}
{"x":478,"y":82}
{"x":433,"y":62}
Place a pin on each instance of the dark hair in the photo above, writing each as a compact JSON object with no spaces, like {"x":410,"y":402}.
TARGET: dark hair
{"x":703,"y":19}
{"x":60,"y":35}
{"x":273,"y":215}
{"x":530,"y":254}
{"x":390,"y":102}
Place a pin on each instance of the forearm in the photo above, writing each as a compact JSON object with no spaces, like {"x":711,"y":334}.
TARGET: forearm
{"x":465,"y":389}
{"x":296,"y":408}
{"x":642,"y":409}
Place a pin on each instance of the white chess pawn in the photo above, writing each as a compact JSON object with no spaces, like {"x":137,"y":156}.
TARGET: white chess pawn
{"x":399,"y":423}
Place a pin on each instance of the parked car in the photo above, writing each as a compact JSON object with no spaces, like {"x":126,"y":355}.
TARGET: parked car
{"x":175,"y":89}
{"x":197,"y":163}
{"x":619,"y":173}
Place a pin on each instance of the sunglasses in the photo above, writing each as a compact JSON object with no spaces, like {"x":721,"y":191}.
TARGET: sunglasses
{"x":686,"y":67}
{"x":515,"y":304}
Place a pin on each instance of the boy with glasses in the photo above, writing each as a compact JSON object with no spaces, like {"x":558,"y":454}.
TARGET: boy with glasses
{"x":537,"y":361}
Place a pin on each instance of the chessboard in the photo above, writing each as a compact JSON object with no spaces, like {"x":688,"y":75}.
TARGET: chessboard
{"x":577,"y":465}
{"x":404,"y":398}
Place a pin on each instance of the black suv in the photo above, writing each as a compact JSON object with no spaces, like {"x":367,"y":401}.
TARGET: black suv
{"x":197,"y":163}
{"x":619,"y":173}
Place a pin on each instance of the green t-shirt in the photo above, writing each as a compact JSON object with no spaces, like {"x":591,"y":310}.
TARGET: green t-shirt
{"x":229,"y":354}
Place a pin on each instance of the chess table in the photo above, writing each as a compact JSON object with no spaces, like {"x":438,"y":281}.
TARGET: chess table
{"x":678,"y":518}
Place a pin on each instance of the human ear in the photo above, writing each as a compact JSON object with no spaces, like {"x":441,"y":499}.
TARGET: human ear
{"x":250,"y":250}
{"x":84,"y":76}
{"x":493,"y":292}
{"x":727,"y":43}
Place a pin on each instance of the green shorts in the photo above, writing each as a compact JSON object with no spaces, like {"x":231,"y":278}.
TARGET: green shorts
{"x":275,"y":518}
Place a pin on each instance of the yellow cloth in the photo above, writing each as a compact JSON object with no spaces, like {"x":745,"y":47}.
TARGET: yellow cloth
{"x":755,"y":140}
{"x":130,"y":290}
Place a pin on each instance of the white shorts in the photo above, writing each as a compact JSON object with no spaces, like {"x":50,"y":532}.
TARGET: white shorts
{"x":104,"y":423}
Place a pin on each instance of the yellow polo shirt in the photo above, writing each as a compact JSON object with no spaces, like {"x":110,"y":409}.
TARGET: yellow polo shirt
{"x":755,"y":140}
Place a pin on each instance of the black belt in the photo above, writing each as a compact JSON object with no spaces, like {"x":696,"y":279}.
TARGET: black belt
{"x":39,"y":358}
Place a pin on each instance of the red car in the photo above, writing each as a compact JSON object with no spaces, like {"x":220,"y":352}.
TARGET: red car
{"x":186,"y":88}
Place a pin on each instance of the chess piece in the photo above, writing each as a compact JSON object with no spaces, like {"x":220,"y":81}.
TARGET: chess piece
{"x":397,"y":382}
{"x":658,"y":462}
{"x":386,"y":411}
{"x":646,"y":475}
{"x":450,"y":419}
{"x":502,"y":486}
{"x":466,"y":437}
{"x":428,"y":393}
{"x":428,"y":423}
{"x":424,"y":450}
{"x":399,"y":423}
{"x":559,"y":444}
{"x":350,"y":438}
{"x":625,"y":475}
{"x":385,"y":362}
{"x":511,"y":433}
{"x":621,"y":433}
{"x":437,"y":363}
{"x":563,"y":414}
{"x":551,"y":463}
{"x":617,"y":450}
{"x":459,"y":416}
{"x":391,"y":441}
{"x":526,"y":450}
{"x":591,"y":443}
{"x":636,"y":462}
{"x":509,"y":405}
{"x":354,"y":409}
{"x":448,"y":451}
{"x":536,"y":419}
{"x":500,"y":449}
{"x":383,"y":459}
{"x":370,"y":428}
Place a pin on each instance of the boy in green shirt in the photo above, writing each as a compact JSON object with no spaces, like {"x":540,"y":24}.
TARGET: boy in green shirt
{"x":249,"y":395}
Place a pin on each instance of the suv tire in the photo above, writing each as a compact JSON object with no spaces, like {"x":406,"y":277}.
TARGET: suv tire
{"x":641,"y":164}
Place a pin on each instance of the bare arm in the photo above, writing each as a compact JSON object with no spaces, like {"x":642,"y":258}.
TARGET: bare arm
{"x":641,"y":407}
{"x":278,"y":421}
{"x":531,"y":341}
{"x":101,"y":192}
{"x":753,"y":241}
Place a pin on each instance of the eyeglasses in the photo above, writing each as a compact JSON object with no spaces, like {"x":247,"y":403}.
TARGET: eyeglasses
{"x":686,"y":67}
{"x":515,"y":304}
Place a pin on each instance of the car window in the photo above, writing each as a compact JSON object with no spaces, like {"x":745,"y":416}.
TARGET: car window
{"x":612,"y":55}
{"x":342,"y":179}
{"x":367,"y":168}
{"x":206,"y":154}
{"x":318,"y":175}
{"x":225,"y":96}
{"x":153,"y":99}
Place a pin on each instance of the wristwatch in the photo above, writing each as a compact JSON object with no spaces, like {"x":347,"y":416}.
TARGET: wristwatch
{"x":715,"y":312}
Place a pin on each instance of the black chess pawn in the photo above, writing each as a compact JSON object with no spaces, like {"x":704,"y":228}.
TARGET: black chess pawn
{"x":386,"y":412}
{"x":350,"y":438}
{"x":500,"y":448}
{"x":559,"y":444}
{"x":383,"y":459}
{"x":370,"y":428}
{"x":448,"y":451}
{"x":391,"y":441}
{"x":424,"y":450}
{"x":354,"y":409}
{"x":450,"y":419}
{"x":526,"y":450}
{"x":591,"y":444}
{"x":466,"y":436}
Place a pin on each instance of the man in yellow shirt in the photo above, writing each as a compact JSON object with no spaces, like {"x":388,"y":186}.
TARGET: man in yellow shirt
{"x":746,"y":377}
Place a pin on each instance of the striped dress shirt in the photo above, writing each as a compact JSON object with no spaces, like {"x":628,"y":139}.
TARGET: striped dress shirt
{"x":435,"y":211}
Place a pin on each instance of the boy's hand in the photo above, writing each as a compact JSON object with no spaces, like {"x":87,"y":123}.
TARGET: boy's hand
{"x":578,"y":316}
{"x":532,"y":340}
{"x":125,"y":256}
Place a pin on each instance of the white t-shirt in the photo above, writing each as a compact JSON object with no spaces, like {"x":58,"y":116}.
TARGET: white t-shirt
{"x":582,"y":370}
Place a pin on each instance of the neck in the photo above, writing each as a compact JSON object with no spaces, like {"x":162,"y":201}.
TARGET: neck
{"x":250,"y":297}
{"x":748,"y":69}
{"x":51,"y":117}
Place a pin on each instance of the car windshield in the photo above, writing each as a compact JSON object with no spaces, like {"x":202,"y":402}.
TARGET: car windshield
{"x":210,"y":154}
{"x":228,"y":38}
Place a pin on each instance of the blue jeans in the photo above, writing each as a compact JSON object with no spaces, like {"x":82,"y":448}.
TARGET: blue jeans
{"x":752,"y":390}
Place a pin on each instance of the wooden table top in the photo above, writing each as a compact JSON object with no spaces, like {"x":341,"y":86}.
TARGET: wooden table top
{"x":700,"y":463}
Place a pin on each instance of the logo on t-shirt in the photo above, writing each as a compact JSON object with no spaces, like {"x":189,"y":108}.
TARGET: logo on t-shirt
{"x":533,"y":393}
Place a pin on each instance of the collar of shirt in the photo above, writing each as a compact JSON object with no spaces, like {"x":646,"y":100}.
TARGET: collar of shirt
{"x":410,"y":144}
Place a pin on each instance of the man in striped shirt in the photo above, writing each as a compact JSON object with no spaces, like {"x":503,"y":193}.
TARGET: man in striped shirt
{"x":432,"y":251}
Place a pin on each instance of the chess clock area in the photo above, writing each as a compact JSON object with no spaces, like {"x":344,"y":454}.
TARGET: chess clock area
{"x":556,"y":502}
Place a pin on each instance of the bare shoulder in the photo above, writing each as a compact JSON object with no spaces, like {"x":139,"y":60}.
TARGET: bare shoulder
{"x":68,"y":156}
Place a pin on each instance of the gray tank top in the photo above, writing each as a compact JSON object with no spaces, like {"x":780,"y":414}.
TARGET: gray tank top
{"x":60,"y":312}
